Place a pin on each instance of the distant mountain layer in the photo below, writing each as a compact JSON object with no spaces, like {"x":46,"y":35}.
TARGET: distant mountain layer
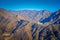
{"x":29,"y":25}
{"x":42,"y":16}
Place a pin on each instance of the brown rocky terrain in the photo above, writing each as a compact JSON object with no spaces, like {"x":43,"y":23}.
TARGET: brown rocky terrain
{"x":29,"y":25}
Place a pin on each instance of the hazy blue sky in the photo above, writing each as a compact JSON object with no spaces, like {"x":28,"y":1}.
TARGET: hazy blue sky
{"x":51,"y":5}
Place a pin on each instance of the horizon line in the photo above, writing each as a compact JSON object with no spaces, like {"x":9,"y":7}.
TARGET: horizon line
{"x":27,"y":9}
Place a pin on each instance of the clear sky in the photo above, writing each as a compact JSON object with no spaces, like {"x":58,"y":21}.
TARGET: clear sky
{"x":51,"y":5}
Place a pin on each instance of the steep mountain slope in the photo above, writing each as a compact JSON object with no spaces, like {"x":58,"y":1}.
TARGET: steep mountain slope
{"x":53,"y":18}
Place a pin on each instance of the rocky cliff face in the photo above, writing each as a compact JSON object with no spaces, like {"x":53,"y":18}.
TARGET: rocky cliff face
{"x":29,"y":25}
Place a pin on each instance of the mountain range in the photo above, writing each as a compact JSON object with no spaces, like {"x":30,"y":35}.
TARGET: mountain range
{"x":29,"y":25}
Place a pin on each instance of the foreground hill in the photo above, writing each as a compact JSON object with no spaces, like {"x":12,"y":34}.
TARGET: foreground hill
{"x":29,"y":25}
